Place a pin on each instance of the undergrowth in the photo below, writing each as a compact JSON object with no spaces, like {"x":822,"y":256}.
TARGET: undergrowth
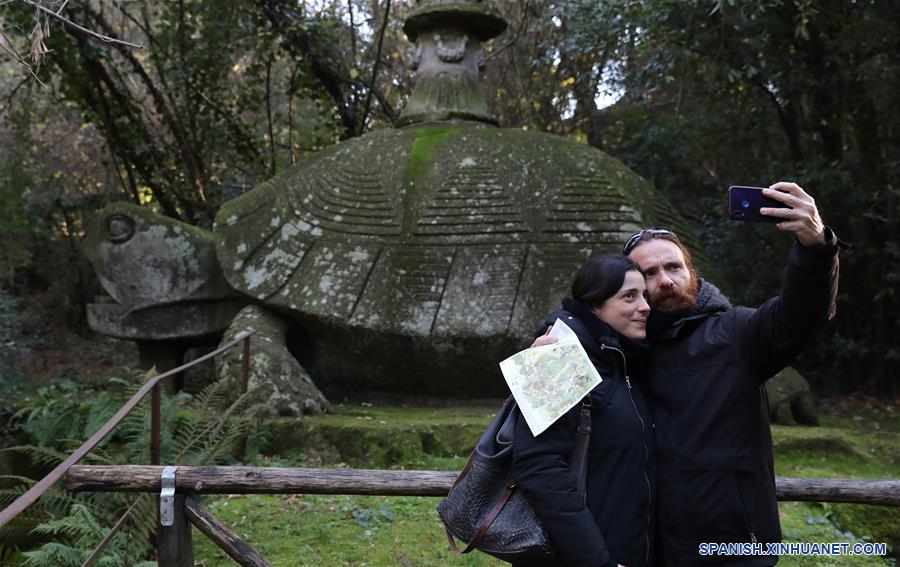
{"x":63,"y":528}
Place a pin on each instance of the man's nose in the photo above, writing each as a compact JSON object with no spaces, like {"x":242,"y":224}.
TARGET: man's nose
{"x":665,"y":280}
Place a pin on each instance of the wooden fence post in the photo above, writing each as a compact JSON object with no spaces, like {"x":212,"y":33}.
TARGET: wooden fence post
{"x":174,"y":546}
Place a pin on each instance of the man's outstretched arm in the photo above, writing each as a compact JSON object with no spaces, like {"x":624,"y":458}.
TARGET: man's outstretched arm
{"x":783,"y":326}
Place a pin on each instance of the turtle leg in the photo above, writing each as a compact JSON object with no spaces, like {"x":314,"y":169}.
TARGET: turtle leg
{"x":278,"y":384}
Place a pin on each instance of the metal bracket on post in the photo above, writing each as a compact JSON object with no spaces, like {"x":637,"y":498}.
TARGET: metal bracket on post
{"x":167,"y":497}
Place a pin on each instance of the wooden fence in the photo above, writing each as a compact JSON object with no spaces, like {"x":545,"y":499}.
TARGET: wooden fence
{"x":174,"y":542}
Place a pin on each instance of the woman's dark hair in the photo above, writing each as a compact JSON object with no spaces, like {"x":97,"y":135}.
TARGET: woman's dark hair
{"x":600,"y":278}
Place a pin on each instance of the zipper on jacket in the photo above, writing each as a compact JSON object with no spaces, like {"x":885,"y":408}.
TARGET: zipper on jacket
{"x":643,"y":442}
{"x":744,"y":509}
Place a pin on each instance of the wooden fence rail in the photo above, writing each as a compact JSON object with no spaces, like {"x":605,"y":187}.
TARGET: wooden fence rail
{"x":259,"y":480}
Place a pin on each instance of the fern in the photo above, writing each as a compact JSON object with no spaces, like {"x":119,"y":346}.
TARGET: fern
{"x":203,"y":429}
{"x":40,"y":455}
{"x":10,"y":555}
{"x":212,"y":438}
{"x":80,"y":530}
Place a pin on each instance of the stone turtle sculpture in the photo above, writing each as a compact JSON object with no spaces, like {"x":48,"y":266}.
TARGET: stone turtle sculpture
{"x":410,"y":261}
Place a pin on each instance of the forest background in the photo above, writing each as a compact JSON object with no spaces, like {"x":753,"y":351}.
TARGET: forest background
{"x":693,"y":95}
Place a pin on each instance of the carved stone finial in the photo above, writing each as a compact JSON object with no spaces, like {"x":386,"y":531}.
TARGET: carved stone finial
{"x":448,"y":36}
{"x":475,"y":16}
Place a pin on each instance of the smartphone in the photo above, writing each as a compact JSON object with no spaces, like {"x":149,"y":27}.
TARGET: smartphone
{"x":744,"y":204}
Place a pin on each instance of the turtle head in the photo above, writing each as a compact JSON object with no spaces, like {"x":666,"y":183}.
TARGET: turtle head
{"x":145,"y":259}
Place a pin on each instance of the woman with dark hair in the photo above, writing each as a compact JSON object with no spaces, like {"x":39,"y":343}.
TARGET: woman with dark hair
{"x":613,"y":522}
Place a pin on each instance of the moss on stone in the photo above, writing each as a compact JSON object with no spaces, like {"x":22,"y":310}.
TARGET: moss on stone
{"x":806,"y":522}
{"x":441,"y":97}
{"x":379,"y":437}
{"x":421,"y":151}
{"x":874,"y":453}
{"x":876,"y":524}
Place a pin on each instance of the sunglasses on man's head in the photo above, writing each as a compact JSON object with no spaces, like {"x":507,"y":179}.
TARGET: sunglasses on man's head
{"x":654,"y":231}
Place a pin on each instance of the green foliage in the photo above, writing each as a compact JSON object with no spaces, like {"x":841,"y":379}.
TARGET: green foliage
{"x":15,"y":180}
{"x":201,"y":429}
{"x":59,"y":413}
{"x":10,"y":351}
{"x":83,"y":530}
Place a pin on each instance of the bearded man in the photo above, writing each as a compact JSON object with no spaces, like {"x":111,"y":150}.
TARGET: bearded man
{"x":708,"y":366}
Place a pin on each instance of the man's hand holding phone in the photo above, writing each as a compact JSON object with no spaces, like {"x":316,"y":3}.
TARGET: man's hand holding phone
{"x":802,"y":218}
{"x":786,"y":204}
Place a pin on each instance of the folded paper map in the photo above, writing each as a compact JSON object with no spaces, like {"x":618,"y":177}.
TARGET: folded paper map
{"x":547,"y":381}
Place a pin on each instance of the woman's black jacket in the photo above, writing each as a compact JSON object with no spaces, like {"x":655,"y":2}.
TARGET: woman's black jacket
{"x":615,"y":522}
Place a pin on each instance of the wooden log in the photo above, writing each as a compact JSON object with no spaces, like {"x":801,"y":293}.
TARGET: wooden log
{"x":883,"y":492}
{"x":174,"y":547}
{"x":257,"y":480}
{"x":230,"y":542}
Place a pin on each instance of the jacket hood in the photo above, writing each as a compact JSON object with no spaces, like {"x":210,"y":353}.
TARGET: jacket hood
{"x":709,"y":299}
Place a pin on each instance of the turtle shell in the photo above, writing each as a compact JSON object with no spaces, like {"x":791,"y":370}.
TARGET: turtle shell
{"x":433,"y":232}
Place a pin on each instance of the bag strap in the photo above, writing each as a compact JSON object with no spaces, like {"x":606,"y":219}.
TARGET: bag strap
{"x":579,"y":472}
{"x":486,"y":523}
{"x":468,"y":466}
{"x":582,"y":439}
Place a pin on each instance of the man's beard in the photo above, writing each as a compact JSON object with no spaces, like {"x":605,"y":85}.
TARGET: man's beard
{"x":676,"y":299}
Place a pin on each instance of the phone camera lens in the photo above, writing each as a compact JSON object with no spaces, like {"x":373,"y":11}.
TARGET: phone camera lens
{"x":745,"y":203}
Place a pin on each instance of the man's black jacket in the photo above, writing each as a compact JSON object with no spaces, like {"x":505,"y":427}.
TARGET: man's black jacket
{"x":616,"y":523}
{"x":705,"y":381}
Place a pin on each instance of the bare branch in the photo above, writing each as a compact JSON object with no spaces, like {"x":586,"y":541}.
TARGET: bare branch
{"x":7,"y":46}
{"x":10,"y":49}
{"x":387,"y":12}
{"x":68,"y":22}
{"x":12,"y":95}
{"x":522,"y":25}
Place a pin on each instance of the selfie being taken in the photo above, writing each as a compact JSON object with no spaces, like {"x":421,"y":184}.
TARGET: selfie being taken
{"x":469,"y":282}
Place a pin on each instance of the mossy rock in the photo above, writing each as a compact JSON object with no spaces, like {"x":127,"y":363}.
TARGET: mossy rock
{"x":379,"y":437}
{"x":876,"y":524}
{"x":790,"y":400}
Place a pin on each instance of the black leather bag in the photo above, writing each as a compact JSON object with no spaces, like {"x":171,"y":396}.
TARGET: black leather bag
{"x":484,"y":508}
